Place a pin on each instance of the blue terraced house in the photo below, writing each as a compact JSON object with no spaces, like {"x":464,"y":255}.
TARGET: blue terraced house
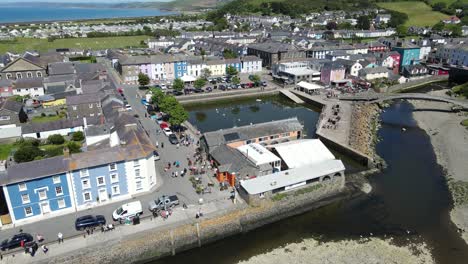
{"x":180,"y":68}
{"x":409,"y":54}
{"x":37,"y":189}
{"x":236,"y":63}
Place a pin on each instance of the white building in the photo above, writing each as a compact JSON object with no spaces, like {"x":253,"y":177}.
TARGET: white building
{"x":33,"y":87}
{"x":162,"y":42}
{"x":259,"y":155}
{"x":374,"y":73}
{"x":251,"y":64}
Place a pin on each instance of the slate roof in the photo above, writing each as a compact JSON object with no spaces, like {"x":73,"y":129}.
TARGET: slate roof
{"x":221,"y":137}
{"x":83,"y":99}
{"x":29,"y":83}
{"x":273,"y":47}
{"x":373,"y":70}
{"x":49,"y":126}
{"x":11,"y":106}
{"x":251,"y":58}
{"x":61,"y":68}
{"x":34,"y":169}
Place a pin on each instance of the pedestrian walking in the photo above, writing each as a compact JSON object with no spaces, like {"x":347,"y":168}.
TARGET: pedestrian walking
{"x":60,"y":237}
{"x":176,"y":173}
{"x":173,"y":174}
{"x":45,"y":249}
{"x":162,"y":144}
{"x":157,"y":144}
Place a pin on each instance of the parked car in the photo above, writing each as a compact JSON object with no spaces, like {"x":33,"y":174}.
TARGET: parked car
{"x":198,"y":90}
{"x":177,"y":93}
{"x":163,"y":86}
{"x":127,"y":210}
{"x":128,"y":107}
{"x":163,"y":125}
{"x":88,"y":221}
{"x":163,"y":202}
{"x":213,"y":81}
{"x":15,"y":241}
{"x":178,"y":128}
{"x":222,"y":87}
{"x":173,"y":139}
{"x":209,"y":89}
{"x":167,"y":131}
{"x":156,"y":155}
{"x":251,"y":77}
{"x":264,"y":84}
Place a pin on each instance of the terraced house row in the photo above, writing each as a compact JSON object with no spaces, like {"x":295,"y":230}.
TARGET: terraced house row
{"x":170,"y":67}
{"x":118,"y":165}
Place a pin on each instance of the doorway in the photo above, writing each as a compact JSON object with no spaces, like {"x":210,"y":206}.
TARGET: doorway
{"x":45,"y":208}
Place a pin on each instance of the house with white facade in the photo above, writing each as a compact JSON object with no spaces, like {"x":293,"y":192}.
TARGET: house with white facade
{"x":374,"y":73}
{"x":32,"y":87}
{"x":251,"y":64}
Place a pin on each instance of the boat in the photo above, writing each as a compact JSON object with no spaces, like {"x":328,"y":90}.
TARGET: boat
{"x":258,"y":100}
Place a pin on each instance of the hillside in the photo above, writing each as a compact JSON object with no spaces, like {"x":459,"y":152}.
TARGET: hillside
{"x":419,"y":13}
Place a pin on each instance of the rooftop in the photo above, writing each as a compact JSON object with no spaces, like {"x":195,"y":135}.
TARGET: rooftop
{"x":258,"y":154}
{"x":299,"y":153}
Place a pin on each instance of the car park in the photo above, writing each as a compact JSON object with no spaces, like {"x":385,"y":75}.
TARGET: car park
{"x":15,"y":241}
{"x":128,"y":210}
{"x":167,"y":131}
{"x":173,"y":139}
{"x":89,"y":221}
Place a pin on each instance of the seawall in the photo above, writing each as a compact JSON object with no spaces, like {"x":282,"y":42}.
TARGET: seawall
{"x":234,"y":94}
{"x":153,"y":244}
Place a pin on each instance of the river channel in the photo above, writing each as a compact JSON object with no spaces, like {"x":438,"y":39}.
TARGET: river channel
{"x":410,"y":200}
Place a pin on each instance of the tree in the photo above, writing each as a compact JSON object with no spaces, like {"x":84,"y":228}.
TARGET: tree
{"x":27,"y":153}
{"x":255,"y":79}
{"x":206,"y":73}
{"x":439,"y":6}
{"x":439,"y":26}
{"x":203,"y":53}
{"x":78,"y":136}
{"x":401,"y":30}
{"x":167,"y":104}
{"x":157,"y":96}
{"x":178,"y":84}
{"x":178,"y":115}
{"x":235,"y":80}
{"x":143,"y":79}
{"x":199,"y":83}
{"x":331,"y":25}
{"x":231,"y":70}
{"x":345,"y":25}
{"x":456,"y":30}
{"x":56,"y":139}
{"x":363,"y":22}
{"x":229,"y":54}
{"x":74,"y":147}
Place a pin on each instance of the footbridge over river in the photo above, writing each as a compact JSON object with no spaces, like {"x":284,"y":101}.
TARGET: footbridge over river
{"x":375,"y":97}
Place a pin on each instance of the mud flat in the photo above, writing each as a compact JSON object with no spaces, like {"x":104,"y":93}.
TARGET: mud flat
{"x":373,"y":250}
{"x":450,"y":142}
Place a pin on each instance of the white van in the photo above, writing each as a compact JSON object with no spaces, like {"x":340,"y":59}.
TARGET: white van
{"x":127,"y":210}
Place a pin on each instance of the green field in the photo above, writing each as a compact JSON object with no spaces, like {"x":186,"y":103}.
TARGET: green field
{"x":22,"y":44}
{"x":5,"y":150}
{"x":419,"y":13}
{"x":448,"y":2}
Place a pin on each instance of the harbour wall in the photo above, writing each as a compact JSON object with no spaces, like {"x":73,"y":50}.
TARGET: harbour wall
{"x":154,"y":244}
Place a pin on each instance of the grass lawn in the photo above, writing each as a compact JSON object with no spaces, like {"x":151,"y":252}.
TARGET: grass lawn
{"x":41,"y":119}
{"x":448,"y":2}
{"x":419,"y":13}
{"x":22,"y":44}
{"x":5,"y":150}
{"x":465,"y":122}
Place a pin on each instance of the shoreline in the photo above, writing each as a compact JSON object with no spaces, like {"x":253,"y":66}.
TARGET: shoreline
{"x":449,"y":139}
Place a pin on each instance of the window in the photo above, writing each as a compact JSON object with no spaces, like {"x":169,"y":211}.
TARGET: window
{"x":19,"y":75}
{"x":28,"y":211}
{"x":29,"y":74}
{"x":61,"y":203}
{"x":91,"y":114}
{"x":9,"y":76}
{"x":56,"y":179}
{"x":112,"y":167}
{"x":58,"y":190}
{"x":137,"y":173}
{"x":115,"y":190}
{"x":139,"y":186}
{"x":42,"y":194}
{"x":90,"y":106}
{"x":136,"y":163}
{"x":114,"y":177}
{"x":262,"y":195}
{"x":22,"y":187}
{"x":74,"y":107}
{"x":84,"y":172}
{"x":5,"y":118}
{"x":39,"y":74}
{"x":25,"y":198}
{"x":85,"y":184}
{"x":100,"y":181}
{"x":87,"y":196}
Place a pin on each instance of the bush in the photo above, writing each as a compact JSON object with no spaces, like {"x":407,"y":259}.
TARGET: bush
{"x":74,"y":147}
{"x":27,"y":153}
{"x":78,"y":136}
{"x":56,"y":139}
{"x":54,"y":151}
{"x":28,"y":142}
{"x":465,"y":122}
{"x":43,"y":114}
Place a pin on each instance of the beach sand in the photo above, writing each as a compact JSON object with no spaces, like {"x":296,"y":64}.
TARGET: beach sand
{"x":450,"y":142}
{"x":373,"y":250}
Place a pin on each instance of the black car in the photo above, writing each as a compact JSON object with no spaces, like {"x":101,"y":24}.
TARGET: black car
{"x":173,"y":139}
{"x":222,"y":87}
{"x":198,"y":90}
{"x":15,"y":241}
{"x":209,"y":89}
{"x":177,"y":93}
{"x":87,"y":221}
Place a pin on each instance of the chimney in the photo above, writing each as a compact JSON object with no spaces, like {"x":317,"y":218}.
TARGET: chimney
{"x":66,"y":152}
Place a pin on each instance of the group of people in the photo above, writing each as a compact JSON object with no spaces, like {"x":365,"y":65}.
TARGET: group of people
{"x":32,"y":247}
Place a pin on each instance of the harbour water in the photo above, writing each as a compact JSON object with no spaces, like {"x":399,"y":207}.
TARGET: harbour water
{"x":410,"y":199}
{"x":24,"y":13}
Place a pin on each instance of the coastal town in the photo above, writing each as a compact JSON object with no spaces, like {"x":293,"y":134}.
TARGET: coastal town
{"x":99,"y":146}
